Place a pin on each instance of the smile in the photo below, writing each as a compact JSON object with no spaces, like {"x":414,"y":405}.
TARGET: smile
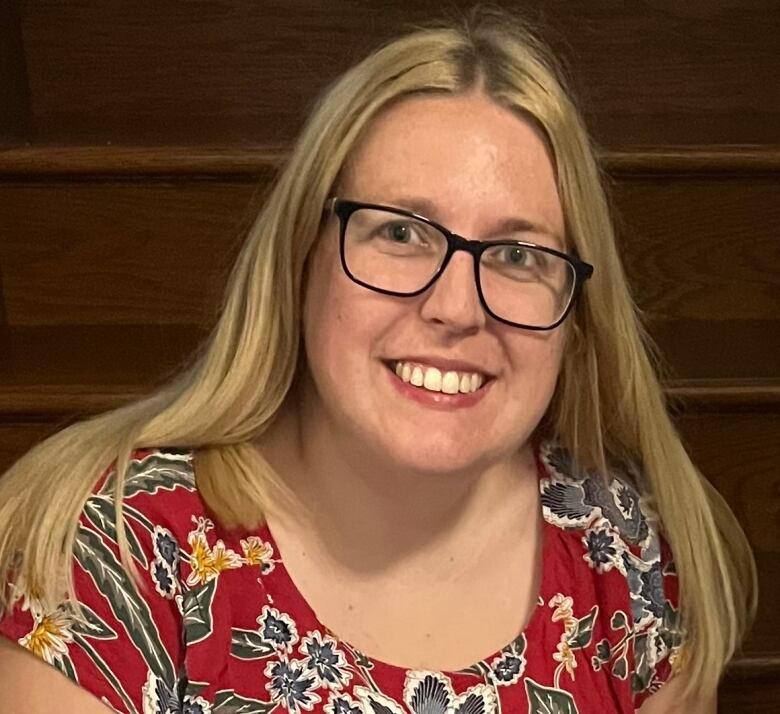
{"x":434,"y":380}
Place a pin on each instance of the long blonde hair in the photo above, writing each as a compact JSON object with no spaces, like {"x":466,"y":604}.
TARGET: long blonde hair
{"x":608,"y":406}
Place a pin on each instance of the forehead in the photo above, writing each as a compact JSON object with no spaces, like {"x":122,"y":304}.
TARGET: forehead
{"x":470,"y":159}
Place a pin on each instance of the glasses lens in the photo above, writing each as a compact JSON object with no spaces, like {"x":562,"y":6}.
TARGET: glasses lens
{"x":520,"y":283}
{"x":526,"y":285}
{"x":392,"y":252}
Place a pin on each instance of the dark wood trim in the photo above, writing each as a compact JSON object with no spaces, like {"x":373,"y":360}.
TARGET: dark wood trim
{"x":139,"y":163}
{"x":731,"y":160}
{"x":724,"y":395}
{"x":246,"y":163}
{"x":754,"y":666}
{"x":42,"y":403}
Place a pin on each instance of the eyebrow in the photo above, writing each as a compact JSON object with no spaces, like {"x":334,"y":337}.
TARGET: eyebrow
{"x":427,"y":208}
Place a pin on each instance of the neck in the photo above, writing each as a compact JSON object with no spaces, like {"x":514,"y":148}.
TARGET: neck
{"x":365,"y":512}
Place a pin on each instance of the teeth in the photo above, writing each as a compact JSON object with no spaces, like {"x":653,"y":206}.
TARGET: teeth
{"x":450,"y":383}
{"x":433,"y":380}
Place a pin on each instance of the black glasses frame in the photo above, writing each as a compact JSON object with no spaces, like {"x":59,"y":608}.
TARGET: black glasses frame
{"x":345,"y":208}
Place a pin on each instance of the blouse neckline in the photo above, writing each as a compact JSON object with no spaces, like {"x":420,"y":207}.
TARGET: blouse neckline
{"x":536,"y":614}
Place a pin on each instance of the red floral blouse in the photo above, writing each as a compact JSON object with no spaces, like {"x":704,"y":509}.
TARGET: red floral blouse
{"x":219,"y":626}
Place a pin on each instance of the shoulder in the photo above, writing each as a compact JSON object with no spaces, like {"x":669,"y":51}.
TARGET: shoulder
{"x":620,"y":540}
{"x":123,"y":639}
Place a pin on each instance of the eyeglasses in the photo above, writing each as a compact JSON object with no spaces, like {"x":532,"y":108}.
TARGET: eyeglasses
{"x":401,"y":253}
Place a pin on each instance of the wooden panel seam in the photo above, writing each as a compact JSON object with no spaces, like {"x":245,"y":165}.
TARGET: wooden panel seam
{"x":247,"y":162}
{"x":43,"y":403}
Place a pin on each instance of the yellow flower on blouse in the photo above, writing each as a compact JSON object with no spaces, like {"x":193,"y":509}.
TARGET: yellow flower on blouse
{"x":257,"y":552}
{"x":565,"y":656}
{"x":207,"y":563}
{"x":50,"y":636}
{"x":563,"y":611}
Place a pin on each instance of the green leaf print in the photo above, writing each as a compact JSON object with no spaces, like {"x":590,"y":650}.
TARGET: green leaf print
{"x":196,"y":611}
{"x":157,"y":473}
{"x":101,"y":511}
{"x":92,"y":625}
{"x":154,"y":472}
{"x":618,"y":621}
{"x":130,"y":609}
{"x":229,"y":702}
{"x":620,"y":667}
{"x":65,"y":664}
{"x":248,"y":644}
{"x":583,"y":633}
{"x":547,"y":700}
{"x":643,"y":673}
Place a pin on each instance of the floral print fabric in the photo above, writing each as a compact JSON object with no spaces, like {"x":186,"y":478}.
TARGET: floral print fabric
{"x":219,"y":627}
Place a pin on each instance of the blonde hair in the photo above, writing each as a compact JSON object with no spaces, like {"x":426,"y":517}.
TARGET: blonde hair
{"x":608,"y":407}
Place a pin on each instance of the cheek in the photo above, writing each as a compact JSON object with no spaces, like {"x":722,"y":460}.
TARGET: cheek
{"x":336,"y":320}
{"x":536,"y":364}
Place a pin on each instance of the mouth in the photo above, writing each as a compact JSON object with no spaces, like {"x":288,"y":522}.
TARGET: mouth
{"x":432,"y":379}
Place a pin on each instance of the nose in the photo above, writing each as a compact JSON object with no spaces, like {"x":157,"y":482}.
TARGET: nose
{"x":452,"y":300}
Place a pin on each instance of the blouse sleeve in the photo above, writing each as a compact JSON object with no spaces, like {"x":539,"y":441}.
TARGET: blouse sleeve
{"x":658,"y":635}
{"x":127,"y":650}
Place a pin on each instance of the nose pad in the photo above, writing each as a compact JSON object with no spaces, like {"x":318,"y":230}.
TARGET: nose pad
{"x":453,"y":299}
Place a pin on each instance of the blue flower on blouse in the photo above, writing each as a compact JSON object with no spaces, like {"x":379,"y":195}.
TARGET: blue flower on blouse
{"x":277,"y":631}
{"x":166,"y":546}
{"x":508,"y":668}
{"x":342,"y":706}
{"x":290,"y":685}
{"x":163,"y":578}
{"x":653,"y":589}
{"x":324,"y":659}
{"x":601,"y":547}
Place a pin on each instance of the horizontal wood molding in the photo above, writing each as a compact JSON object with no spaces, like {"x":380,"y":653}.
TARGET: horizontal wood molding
{"x":247,"y":163}
{"x":723,"y":395}
{"x":47,"y":402}
{"x":754,"y":666}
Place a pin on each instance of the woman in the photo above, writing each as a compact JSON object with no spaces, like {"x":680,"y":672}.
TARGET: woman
{"x":423,"y":464}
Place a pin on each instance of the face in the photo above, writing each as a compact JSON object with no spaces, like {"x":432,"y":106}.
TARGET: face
{"x":471,"y":166}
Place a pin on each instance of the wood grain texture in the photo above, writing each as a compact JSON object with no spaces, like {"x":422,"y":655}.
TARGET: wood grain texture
{"x":127,"y":254}
{"x":254,"y":163}
{"x":16,"y":119}
{"x":751,"y":690}
{"x":105,"y":71}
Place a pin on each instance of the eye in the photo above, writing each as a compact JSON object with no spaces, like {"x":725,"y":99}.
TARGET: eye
{"x":517,"y":255}
{"x":399,"y":232}
{"x":514,"y":256}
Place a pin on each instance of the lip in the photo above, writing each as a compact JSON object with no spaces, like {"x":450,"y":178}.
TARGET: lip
{"x":442,"y":364}
{"x":438,"y":400}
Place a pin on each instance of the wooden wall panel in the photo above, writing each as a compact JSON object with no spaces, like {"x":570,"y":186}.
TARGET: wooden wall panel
{"x":234,"y":71}
{"x":127,"y":253}
{"x":739,"y":454}
{"x":15,"y":109}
